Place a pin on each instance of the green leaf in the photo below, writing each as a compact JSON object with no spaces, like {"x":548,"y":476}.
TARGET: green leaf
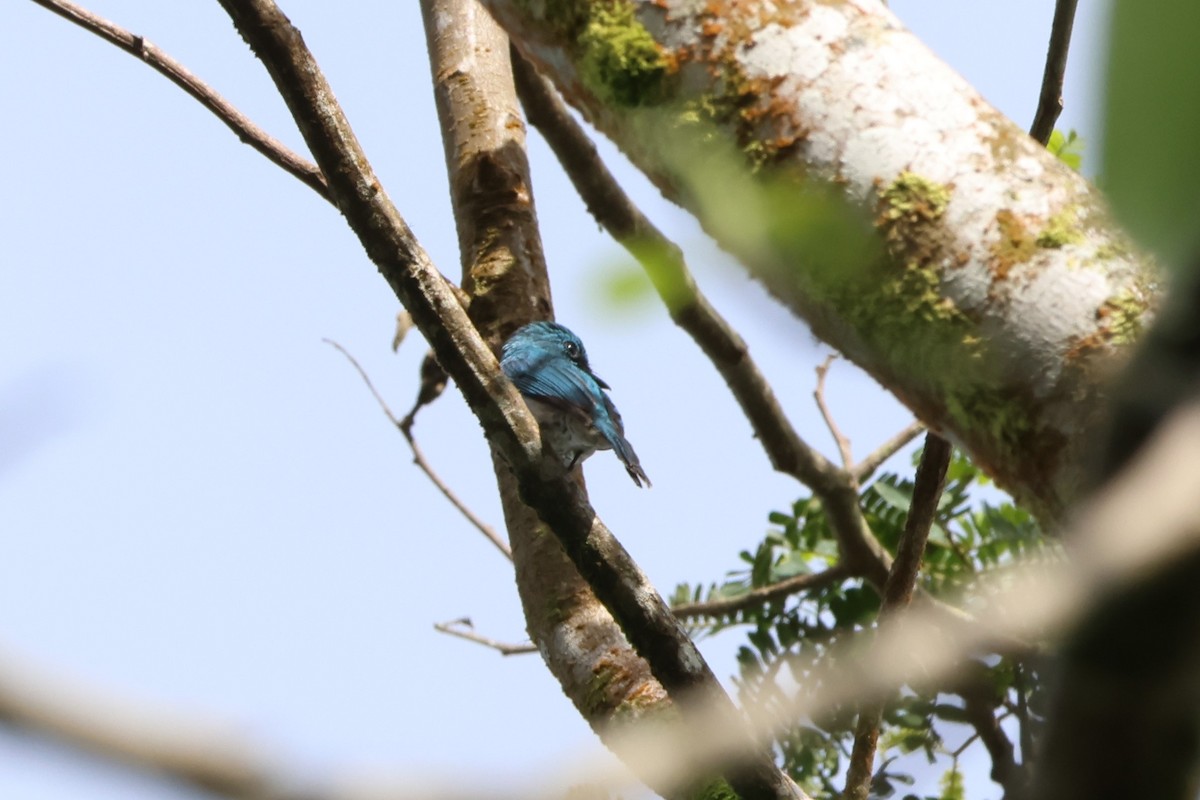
{"x":760,"y":572}
{"x":895,"y":497}
{"x":780,"y":519}
{"x":858,"y":606}
{"x":1068,"y":148}
{"x":622,"y":284}
{"x":793,"y":563}
{"x":1152,"y":123}
{"x":951,"y":713}
{"x":952,"y":785}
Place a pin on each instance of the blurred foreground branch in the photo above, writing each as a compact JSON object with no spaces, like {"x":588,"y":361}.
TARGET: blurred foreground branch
{"x":200,"y":753}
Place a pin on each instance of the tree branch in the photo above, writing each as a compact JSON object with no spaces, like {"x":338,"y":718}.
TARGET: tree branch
{"x":275,"y":151}
{"x":463,"y":629}
{"x":1050,"y":101}
{"x":980,"y":705}
{"x":864,"y":469}
{"x":689,"y":308}
{"x":202,"y":754}
{"x":897,"y":594}
{"x":560,"y":502}
{"x":504,"y":270}
{"x":763,"y":594}
{"x":843,"y":444}
{"x":1129,"y":692}
{"x":825,"y":199}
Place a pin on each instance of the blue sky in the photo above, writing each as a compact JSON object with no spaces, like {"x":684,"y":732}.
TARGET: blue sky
{"x":201,"y":506}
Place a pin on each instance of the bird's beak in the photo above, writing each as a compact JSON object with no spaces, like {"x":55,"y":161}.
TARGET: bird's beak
{"x":600,"y":381}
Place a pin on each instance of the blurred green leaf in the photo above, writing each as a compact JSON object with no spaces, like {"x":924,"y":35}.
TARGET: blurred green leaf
{"x":952,"y":785}
{"x":1152,"y":123}
{"x":622,"y":284}
{"x":1067,"y":147}
{"x":894,"y":496}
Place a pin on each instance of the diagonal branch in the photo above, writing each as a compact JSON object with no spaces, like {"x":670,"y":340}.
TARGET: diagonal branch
{"x":866,"y":468}
{"x":763,"y":594}
{"x":690,"y":309}
{"x":275,"y":151}
{"x":897,"y":594}
{"x":979,"y":705}
{"x":616,"y":579}
{"x":839,"y":438}
{"x":1050,"y":101}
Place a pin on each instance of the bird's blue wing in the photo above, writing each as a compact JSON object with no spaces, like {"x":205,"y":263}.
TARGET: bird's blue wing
{"x":553,"y":379}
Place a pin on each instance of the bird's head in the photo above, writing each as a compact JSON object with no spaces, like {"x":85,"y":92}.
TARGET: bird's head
{"x":550,"y":337}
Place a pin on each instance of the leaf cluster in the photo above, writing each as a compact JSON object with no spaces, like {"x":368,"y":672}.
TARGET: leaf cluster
{"x":788,"y":639}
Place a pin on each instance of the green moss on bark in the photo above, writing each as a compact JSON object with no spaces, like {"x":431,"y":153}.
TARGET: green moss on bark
{"x":1123,"y":315}
{"x":618,"y":58}
{"x":1061,"y":230}
{"x":913,"y":199}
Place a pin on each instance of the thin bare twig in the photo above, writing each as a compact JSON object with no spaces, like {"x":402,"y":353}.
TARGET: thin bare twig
{"x":897,"y":594}
{"x":864,"y":469}
{"x":463,"y":629}
{"x":962,"y":748}
{"x":433,"y":383}
{"x":1050,"y":101}
{"x":419,"y":457}
{"x":276,"y":151}
{"x":843,"y":444}
{"x":763,"y":594}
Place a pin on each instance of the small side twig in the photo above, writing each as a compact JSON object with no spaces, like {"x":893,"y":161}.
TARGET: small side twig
{"x":763,"y":594}
{"x":843,"y":444}
{"x":864,"y":469}
{"x":897,"y":594}
{"x":419,"y":457}
{"x":433,"y":383}
{"x":1050,"y":101}
{"x":463,"y":629}
{"x":275,"y":151}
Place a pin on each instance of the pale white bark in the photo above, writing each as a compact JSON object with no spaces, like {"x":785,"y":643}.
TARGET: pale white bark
{"x":1007,"y":294}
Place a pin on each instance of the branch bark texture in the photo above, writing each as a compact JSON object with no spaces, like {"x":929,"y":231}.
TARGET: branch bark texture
{"x":504,"y":272}
{"x":560,"y":503}
{"x":990,"y":291}
{"x":898,"y":593}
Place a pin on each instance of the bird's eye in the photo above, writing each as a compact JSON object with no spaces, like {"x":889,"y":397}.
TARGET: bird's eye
{"x":571,"y":349}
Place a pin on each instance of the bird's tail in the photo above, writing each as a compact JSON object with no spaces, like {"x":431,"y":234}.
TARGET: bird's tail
{"x":608,"y":422}
{"x":624,"y":451}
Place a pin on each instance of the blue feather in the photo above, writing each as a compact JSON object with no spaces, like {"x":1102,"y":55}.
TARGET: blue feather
{"x":549,"y":366}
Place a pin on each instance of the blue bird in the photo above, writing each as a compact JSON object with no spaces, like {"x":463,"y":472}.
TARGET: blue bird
{"x":550,"y":368}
